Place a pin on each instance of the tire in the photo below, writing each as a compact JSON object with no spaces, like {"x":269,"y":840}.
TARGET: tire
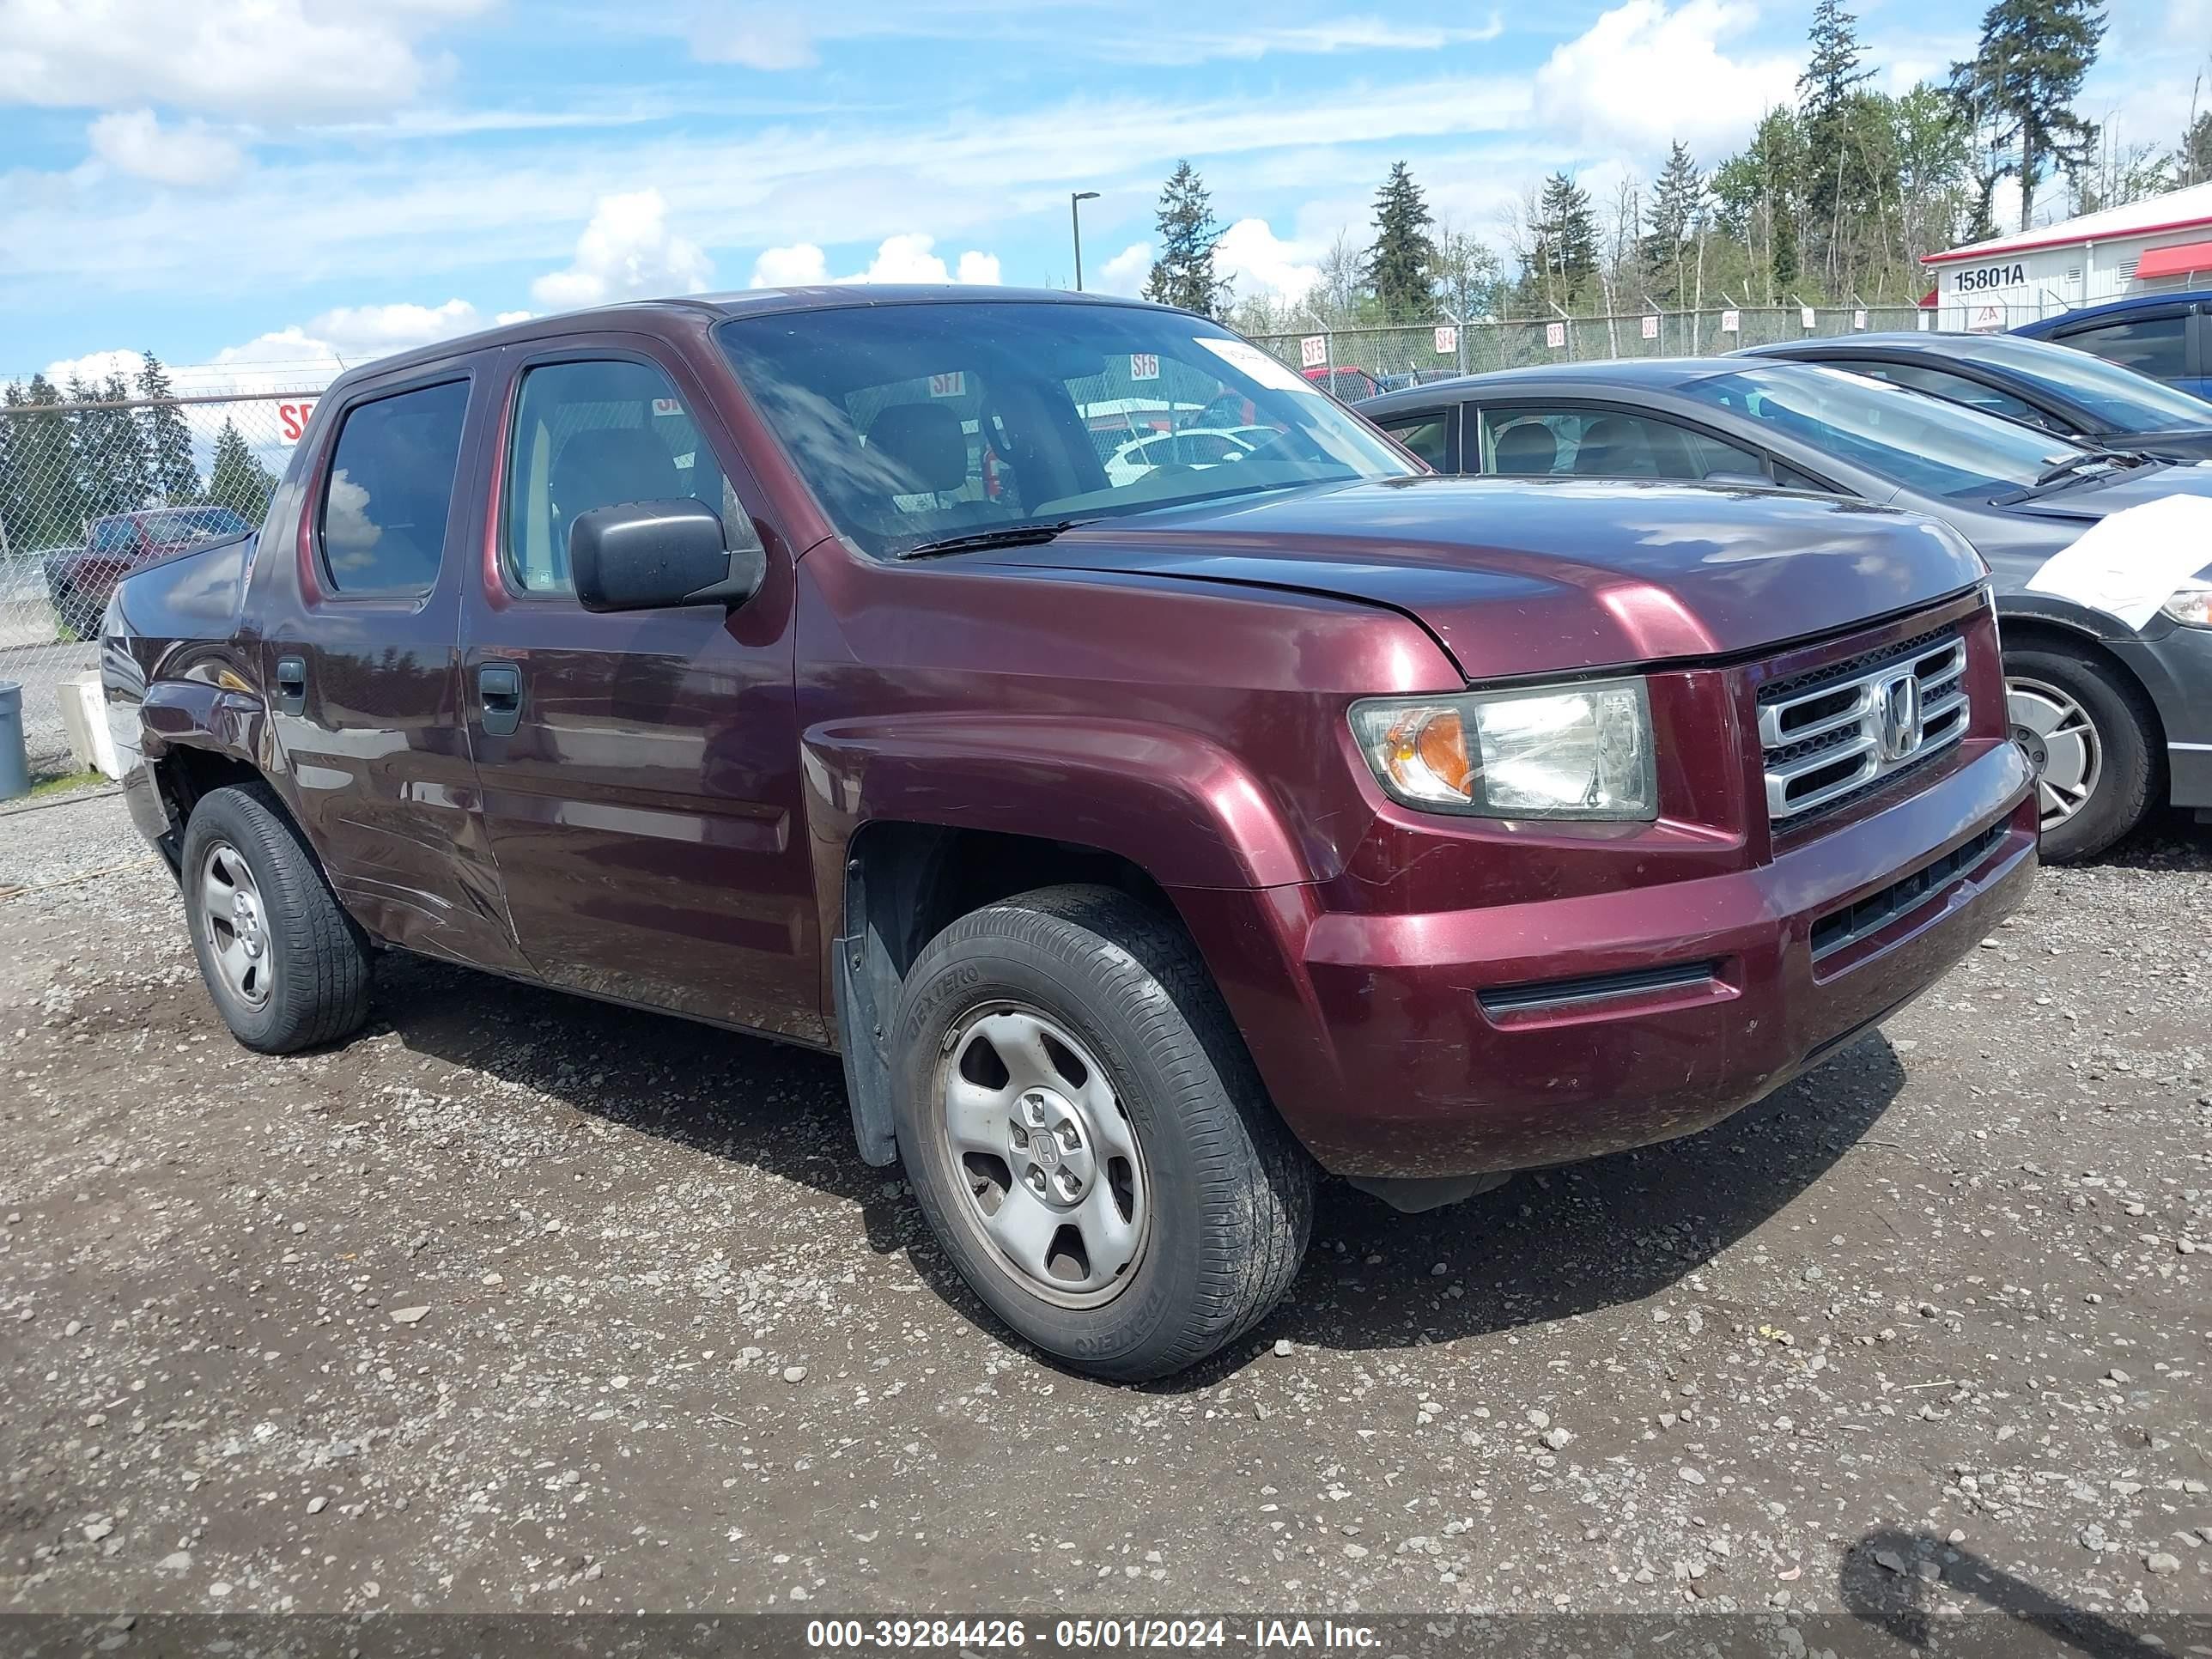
{"x":1144,"y":1097}
{"x":290,"y":969}
{"x":2089,"y":731}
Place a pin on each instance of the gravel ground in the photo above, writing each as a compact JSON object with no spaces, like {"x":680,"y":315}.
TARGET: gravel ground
{"x":518,"y":1301}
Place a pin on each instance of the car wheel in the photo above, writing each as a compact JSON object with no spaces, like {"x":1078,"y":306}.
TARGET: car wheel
{"x":287,"y":967}
{"x":2087,"y":734}
{"x":1088,"y":1139}
{"x":65,"y":603}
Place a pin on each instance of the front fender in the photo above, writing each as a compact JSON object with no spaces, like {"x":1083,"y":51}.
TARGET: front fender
{"x":1180,"y":807}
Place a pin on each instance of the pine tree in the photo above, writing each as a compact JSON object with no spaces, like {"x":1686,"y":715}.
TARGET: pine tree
{"x":1676,"y":218}
{"x":1399,"y":265}
{"x":1183,"y":274}
{"x":174,"y":476}
{"x":2022,"y":81}
{"x":130,"y":469}
{"x":2192,"y":162}
{"x":1566,"y":239}
{"x":236,"y":477}
{"x":49,"y":509}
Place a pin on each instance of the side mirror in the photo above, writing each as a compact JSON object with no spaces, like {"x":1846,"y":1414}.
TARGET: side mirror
{"x":650,"y":556}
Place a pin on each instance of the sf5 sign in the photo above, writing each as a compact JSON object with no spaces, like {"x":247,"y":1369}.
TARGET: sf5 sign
{"x":291,"y":419}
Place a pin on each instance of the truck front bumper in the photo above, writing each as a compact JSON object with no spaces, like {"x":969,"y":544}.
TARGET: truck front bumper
{"x":1449,"y":1044}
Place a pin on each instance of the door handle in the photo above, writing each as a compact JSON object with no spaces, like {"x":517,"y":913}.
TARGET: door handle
{"x":291,"y":685}
{"x":499,"y":694}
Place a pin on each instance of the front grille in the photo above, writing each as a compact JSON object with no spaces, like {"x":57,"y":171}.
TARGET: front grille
{"x":1829,"y":735}
{"x":1831,"y":932}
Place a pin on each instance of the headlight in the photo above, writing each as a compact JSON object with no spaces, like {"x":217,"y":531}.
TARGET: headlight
{"x":2191,"y":606}
{"x":1577,"y":751}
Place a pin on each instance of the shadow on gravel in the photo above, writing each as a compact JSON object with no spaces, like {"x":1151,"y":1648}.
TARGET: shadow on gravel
{"x":1889,"y":1577}
{"x":2170,"y":839}
{"x":1544,"y":1246}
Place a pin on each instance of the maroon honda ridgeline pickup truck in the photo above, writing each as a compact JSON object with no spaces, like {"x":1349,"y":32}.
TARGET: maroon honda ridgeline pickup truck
{"x":1145,"y":840}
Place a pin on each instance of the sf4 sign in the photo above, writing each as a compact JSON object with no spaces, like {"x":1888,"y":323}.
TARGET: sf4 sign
{"x":291,"y":419}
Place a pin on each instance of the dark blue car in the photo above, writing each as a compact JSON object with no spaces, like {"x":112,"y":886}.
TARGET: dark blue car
{"x":2167,"y":336}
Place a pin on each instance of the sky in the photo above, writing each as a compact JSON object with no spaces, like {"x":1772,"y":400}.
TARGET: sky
{"x":278,"y":186}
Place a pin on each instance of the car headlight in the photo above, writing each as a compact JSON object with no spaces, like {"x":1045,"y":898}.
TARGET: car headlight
{"x":2191,"y":606}
{"x":1571,"y":751}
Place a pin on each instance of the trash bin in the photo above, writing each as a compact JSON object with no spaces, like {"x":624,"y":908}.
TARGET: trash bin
{"x":15,"y":764}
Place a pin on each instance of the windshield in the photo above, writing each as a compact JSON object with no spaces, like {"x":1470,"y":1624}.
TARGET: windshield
{"x":915,"y":423}
{"x":1942,"y":449}
{"x":2125,"y":400}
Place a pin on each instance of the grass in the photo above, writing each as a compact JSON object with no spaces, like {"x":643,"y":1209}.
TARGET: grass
{"x":63,"y":783}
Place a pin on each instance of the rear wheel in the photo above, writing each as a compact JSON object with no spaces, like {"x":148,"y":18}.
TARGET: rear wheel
{"x":2088,"y":735}
{"x":286,"y":966}
{"x":1088,"y":1138}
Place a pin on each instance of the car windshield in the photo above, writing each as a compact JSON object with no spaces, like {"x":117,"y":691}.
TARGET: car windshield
{"x":918,"y":424}
{"x":1941,"y":448}
{"x":2125,"y":400}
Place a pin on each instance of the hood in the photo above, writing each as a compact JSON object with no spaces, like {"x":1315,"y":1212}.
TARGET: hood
{"x":1550,"y":576}
{"x":2085,"y":503}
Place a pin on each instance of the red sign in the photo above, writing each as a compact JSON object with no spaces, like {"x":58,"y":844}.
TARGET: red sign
{"x":291,"y":419}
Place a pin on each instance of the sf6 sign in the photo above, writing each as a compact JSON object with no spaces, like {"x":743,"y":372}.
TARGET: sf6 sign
{"x":1982,"y":278}
{"x":291,"y":419}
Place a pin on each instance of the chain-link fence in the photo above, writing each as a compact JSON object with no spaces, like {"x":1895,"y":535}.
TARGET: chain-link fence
{"x":1357,"y":362}
{"x":93,"y":487}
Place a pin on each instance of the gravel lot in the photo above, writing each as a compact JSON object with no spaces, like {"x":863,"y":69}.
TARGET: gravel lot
{"x":519,"y":1302}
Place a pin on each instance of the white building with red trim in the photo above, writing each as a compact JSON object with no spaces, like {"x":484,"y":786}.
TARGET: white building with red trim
{"x":2160,"y":244}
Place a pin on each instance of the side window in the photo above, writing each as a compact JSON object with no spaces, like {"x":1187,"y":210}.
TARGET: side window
{"x":2156,"y":346}
{"x":1954,"y":388}
{"x":1604,"y":444}
{"x":390,"y":484}
{"x":597,"y":434}
{"x":115,"y":536}
{"x":1428,"y":436}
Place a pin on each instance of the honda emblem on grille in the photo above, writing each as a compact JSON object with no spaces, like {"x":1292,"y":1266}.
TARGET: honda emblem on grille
{"x":1899,"y":705}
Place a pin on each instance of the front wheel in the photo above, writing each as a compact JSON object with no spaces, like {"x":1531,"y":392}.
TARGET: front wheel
{"x":1088,"y":1137}
{"x":287,"y":967}
{"x":2088,"y":735}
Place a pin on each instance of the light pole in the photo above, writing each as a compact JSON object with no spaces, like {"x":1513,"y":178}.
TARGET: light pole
{"x":1075,"y":197}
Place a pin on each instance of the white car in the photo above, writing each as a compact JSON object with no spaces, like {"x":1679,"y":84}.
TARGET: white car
{"x":1193,"y":447}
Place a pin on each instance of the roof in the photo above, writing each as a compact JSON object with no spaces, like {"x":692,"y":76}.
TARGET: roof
{"x":2044,"y":327}
{"x":1658,"y":373}
{"x":743,"y":302}
{"x":2176,"y":210}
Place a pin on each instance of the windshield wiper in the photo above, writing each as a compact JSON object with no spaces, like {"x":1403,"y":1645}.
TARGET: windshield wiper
{"x":1017,"y":535}
{"x":2089,"y":457}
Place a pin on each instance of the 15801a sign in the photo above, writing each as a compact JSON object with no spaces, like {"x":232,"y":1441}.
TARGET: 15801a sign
{"x":1982,"y":277}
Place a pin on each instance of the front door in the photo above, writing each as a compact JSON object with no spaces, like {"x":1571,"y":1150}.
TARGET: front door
{"x":640,"y":770}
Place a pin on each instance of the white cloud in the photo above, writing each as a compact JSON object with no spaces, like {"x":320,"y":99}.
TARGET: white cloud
{"x":356,"y":332}
{"x":1125,"y":272}
{"x":752,"y":35}
{"x":94,"y":367}
{"x":1255,"y":259}
{"x":1645,"y":75}
{"x":256,"y":59}
{"x":627,"y":253}
{"x":134,"y":142}
{"x":506,"y":317}
{"x":906,"y":257}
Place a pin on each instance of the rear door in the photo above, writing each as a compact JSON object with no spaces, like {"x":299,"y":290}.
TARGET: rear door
{"x":358,"y":655}
{"x":640,"y":770}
